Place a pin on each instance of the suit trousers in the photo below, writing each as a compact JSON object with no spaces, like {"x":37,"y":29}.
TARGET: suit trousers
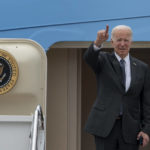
{"x":114,"y":141}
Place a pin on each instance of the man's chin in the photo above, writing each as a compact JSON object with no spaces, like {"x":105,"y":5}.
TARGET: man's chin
{"x":123,"y":51}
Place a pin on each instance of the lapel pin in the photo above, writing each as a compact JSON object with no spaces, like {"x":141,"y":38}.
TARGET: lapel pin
{"x":134,"y":63}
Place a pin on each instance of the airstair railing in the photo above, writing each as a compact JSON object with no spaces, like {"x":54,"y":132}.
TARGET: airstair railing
{"x":37,"y":124}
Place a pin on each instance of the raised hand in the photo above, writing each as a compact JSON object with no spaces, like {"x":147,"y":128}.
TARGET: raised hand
{"x":102,"y":36}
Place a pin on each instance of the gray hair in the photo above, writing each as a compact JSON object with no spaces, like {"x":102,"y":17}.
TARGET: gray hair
{"x":118,"y":28}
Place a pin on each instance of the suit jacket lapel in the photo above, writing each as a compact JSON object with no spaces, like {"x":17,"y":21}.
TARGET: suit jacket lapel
{"x":117,"y":72}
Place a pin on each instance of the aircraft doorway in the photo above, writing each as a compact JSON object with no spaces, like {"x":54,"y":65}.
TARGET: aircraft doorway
{"x":71,"y":93}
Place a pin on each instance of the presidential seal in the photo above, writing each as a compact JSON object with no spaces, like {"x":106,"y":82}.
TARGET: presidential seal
{"x":8,"y":71}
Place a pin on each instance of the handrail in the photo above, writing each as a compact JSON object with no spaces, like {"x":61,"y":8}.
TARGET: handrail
{"x":38,"y":123}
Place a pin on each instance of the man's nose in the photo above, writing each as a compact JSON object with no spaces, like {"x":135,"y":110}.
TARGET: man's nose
{"x":122,"y":43}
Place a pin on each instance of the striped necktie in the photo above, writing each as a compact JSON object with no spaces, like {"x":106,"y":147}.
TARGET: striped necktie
{"x":122,"y":65}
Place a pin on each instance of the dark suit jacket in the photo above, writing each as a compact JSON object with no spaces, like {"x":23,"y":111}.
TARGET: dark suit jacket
{"x":111,"y":94}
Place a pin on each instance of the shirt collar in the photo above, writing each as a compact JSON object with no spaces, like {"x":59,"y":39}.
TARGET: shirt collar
{"x":119,"y":58}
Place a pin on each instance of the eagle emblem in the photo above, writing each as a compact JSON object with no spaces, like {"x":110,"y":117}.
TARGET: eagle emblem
{"x":8,"y":71}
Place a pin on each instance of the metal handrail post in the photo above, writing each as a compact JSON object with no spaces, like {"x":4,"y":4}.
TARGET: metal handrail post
{"x":38,"y":116}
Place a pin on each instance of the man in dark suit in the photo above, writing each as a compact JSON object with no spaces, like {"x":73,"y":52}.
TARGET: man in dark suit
{"x":120,"y":115}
